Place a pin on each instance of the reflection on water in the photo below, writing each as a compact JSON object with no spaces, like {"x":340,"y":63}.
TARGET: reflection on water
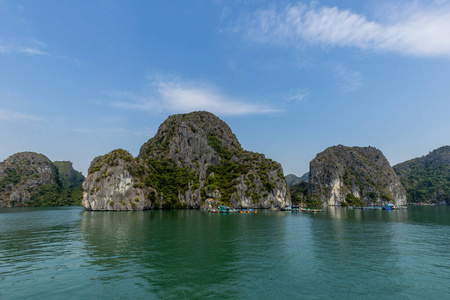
{"x":182,"y":253}
{"x":351,"y":254}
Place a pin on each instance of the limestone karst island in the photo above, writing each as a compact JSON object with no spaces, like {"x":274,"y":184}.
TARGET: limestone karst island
{"x":195,"y":161}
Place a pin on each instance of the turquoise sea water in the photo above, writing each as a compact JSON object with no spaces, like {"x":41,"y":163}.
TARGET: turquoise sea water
{"x":70,"y":253}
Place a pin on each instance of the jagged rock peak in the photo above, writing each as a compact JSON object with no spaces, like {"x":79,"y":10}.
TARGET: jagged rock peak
{"x":193,"y":158}
{"x":363,"y":172}
{"x":111,"y":185}
{"x":190,"y":132}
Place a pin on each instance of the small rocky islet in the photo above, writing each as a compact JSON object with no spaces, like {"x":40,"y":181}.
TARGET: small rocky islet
{"x":360,"y":176}
{"x":195,"y":161}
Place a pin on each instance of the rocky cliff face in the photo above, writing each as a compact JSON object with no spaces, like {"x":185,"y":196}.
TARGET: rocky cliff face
{"x":427,"y":178}
{"x":111,"y":186}
{"x":362,"y":172}
{"x":193,"y":158}
{"x":23,"y":175}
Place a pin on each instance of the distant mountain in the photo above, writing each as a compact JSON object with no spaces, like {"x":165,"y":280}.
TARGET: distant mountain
{"x":354,"y":176}
{"x":193,"y":161}
{"x":71,"y":183}
{"x":70,"y":178}
{"x":305,"y":177}
{"x":427,"y":178}
{"x":31,"y":179}
{"x":292,"y":179}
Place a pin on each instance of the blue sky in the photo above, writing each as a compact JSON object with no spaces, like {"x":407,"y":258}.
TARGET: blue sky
{"x":291,"y":78}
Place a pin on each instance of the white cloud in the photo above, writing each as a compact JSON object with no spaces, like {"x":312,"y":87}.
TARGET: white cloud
{"x":175,"y":95}
{"x":9,"y":115}
{"x":32,"y":47}
{"x":299,"y":96}
{"x":412,"y":29}
{"x":32,"y":51}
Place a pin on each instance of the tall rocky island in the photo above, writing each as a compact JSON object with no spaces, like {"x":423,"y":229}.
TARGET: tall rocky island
{"x":31,"y":179}
{"x":354,"y":176}
{"x":193,"y":161}
{"x":427,"y":178}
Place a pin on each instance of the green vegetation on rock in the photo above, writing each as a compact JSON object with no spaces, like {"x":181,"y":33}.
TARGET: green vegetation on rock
{"x":69,"y":177}
{"x":352,"y":200}
{"x":11,"y":178}
{"x":299,"y":195}
{"x":216,"y":144}
{"x":223,"y":177}
{"x":169,"y":180}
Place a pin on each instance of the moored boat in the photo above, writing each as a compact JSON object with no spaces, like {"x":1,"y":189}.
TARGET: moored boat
{"x":291,"y":208}
{"x":393,"y":207}
{"x":226,"y":209}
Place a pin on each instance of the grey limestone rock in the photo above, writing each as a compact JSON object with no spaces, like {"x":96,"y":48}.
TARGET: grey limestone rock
{"x":361,"y":171}
{"x":111,"y":186}
{"x":192,"y":160}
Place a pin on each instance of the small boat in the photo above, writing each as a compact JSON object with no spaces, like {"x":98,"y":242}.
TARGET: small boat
{"x":226,"y":209}
{"x":389,"y":207}
{"x":291,"y":208}
{"x":393,"y":207}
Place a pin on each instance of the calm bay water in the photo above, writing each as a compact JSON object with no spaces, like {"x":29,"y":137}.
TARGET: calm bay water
{"x":71,"y":253}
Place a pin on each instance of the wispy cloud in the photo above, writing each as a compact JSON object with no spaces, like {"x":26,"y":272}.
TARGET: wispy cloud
{"x":176,"y":95}
{"x":15,"y":38}
{"x":298,"y":96}
{"x":10,"y":115}
{"x":412,"y":29}
{"x":32,"y":47}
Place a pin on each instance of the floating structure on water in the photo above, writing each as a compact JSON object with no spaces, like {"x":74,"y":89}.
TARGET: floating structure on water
{"x":293,"y":208}
{"x":365,"y":207}
{"x":311,"y":210}
{"x":386,"y":207}
{"x":226,"y":209}
{"x":297,"y":208}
